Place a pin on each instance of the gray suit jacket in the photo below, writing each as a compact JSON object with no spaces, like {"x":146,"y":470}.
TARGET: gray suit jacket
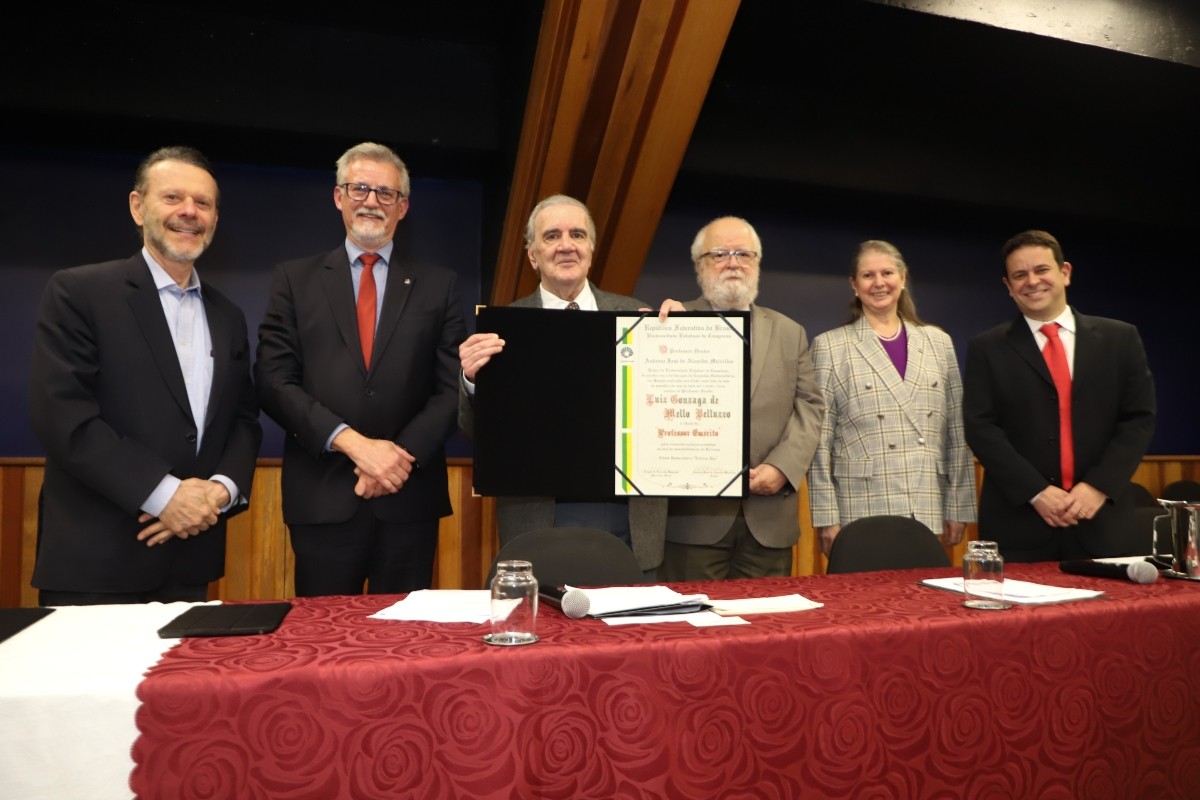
{"x":890,"y":445}
{"x":785,"y":419}
{"x":517,"y":515}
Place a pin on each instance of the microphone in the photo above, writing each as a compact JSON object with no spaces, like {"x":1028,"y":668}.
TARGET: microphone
{"x":572,"y":602}
{"x":1138,"y":571}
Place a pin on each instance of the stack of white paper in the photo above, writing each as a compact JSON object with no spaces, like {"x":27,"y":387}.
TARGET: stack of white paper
{"x":621,"y":599}
{"x":764,"y":605}
{"x":441,"y":605}
{"x":1019,"y":591}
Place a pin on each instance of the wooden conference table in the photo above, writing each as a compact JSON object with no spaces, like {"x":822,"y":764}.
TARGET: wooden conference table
{"x":892,"y":690}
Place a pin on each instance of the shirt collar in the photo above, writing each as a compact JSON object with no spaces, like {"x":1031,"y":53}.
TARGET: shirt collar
{"x":1065,"y":320}
{"x":354,"y":251}
{"x":585,"y":299}
{"x":164,"y":281}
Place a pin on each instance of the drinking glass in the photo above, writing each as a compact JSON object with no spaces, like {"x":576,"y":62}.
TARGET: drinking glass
{"x":514,"y":604}
{"x":983,"y":576}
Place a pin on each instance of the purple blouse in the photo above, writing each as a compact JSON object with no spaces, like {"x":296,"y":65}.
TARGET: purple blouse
{"x":897,"y":350}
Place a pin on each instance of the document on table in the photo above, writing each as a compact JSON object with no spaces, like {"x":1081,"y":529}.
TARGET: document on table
{"x":1020,"y":591}
{"x":441,"y":605}
{"x":640,"y":600}
{"x":763,"y":605}
{"x":621,"y":605}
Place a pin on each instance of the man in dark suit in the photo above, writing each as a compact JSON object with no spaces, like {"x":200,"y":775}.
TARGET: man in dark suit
{"x":559,"y":239}
{"x":140,"y":392}
{"x":1042,"y":501}
{"x":356,"y":361}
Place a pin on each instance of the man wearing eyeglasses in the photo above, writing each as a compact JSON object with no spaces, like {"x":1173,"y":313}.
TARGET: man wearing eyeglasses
{"x":357,"y":361}
{"x":719,"y":537}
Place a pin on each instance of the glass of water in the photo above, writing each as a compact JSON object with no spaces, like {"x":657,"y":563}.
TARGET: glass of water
{"x":983,"y":576}
{"x":514,"y":604}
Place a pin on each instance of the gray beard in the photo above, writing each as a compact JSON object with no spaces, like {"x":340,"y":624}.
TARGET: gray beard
{"x":730,"y":294}
{"x":175,"y":254}
{"x":370,"y":234}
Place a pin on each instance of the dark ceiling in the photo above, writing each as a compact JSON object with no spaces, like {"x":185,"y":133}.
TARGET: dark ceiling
{"x":867,"y":98}
{"x":840,"y":98}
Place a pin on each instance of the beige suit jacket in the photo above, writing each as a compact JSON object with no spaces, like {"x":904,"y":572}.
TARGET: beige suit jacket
{"x":785,"y":420}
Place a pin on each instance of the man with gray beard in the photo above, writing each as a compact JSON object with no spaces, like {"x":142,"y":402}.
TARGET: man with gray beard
{"x":727,"y":537}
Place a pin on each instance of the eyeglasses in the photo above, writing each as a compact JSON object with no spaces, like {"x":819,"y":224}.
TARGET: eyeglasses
{"x":360,"y":191}
{"x":722,"y":256}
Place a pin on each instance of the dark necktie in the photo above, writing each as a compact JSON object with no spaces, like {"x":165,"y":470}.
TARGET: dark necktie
{"x":572,"y":306}
{"x":1056,"y":360}
{"x":366,"y":306}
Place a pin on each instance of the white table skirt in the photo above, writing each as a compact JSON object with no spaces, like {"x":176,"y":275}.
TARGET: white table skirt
{"x":68,"y":699}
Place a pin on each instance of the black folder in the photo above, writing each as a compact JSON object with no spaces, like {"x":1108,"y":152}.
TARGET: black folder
{"x":238,"y":619}
{"x":15,"y":620}
{"x":544,"y":406}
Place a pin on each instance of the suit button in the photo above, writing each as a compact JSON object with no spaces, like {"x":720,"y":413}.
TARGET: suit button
{"x":920,"y":440}
{"x":368,"y":392}
{"x":191,"y":437}
{"x":892,"y":446}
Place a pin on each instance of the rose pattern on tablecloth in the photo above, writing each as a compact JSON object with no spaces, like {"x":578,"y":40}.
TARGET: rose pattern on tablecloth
{"x":892,"y":690}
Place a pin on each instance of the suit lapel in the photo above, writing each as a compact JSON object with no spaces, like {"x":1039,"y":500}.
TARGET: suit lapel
{"x":147,"y":310}
{"x":1021,"y":340}
{"x":1090,"y":355}
{"x":867,"y":344}
{"x":220,"y":331}
{"x":400,"y":281}
{"x":761,"y":331}
{"x":339,"y":291}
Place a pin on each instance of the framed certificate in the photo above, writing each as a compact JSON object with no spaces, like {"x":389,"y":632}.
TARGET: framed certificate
{"x":681,"y":400}
{"x":587,"y":406}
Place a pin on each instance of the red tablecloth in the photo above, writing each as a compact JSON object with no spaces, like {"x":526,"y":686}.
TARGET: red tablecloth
{"x":892,"y":690}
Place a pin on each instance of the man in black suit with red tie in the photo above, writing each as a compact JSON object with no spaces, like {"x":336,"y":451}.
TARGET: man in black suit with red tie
{"x":140,"y":392}
{"x":358,"y":362}
{"x":1059,"y":409}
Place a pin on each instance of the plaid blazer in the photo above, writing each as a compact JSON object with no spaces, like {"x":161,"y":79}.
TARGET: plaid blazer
{"x":890,"y":446}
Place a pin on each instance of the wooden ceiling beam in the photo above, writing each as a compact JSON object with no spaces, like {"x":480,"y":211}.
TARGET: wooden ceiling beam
{"x":616,"y":89}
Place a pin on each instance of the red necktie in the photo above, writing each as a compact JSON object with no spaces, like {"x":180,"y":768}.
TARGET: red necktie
{"x":1056,"y":360}
{"x":366,"y":306}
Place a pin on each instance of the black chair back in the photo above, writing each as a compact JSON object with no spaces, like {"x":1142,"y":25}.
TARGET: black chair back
{"x":1126,"y":530}
{"x":1182,"y":490}
{"x":871,"y":544}
{"x":573,"y":556}
{"x":1139,"y":496}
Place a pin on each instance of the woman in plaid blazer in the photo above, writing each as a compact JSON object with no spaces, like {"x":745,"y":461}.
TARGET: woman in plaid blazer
{"x":892,"y":438}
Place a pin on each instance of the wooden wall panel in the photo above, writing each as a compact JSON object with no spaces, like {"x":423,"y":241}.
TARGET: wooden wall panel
{"x":259,"y":560}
